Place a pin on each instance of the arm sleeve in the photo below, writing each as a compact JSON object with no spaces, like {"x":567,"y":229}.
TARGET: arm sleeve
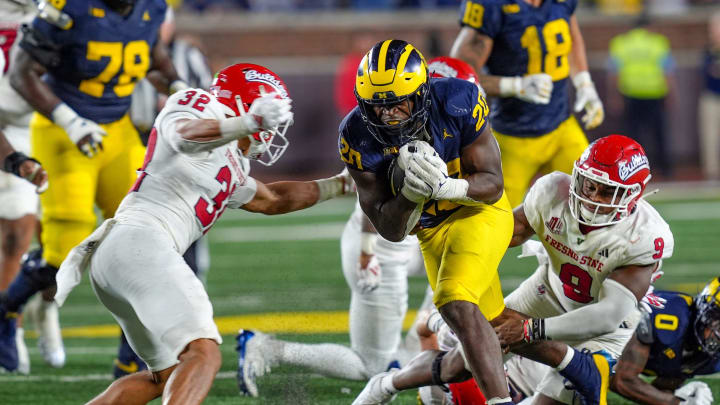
{"x":644,"y":331}
{"x":614,"y":304}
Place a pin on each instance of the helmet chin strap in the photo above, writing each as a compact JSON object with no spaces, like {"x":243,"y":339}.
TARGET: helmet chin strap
{"x":591,"y":216}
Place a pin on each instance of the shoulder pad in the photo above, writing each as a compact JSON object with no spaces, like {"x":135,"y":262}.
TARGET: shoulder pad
{"x":54,"y":15}
{"x":644,"y":330}
{"x":41,"y":48}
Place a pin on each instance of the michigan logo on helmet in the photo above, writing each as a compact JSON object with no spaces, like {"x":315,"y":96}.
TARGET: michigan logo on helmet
{"x":707,"y":320}
{"x":620,"y":164}
{"x":393,"y":72}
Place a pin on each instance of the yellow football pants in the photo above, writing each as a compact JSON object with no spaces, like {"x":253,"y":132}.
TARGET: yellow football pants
{"x":523,"y":158}
{"x":463,"y":253}
{"x":78,"y":182}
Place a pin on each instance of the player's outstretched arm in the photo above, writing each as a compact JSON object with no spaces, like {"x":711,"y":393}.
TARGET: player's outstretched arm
{"x":390,"y":215}
{"x":618,"y":296}
{"x":282,"y":197}
{"x":627,"y":381}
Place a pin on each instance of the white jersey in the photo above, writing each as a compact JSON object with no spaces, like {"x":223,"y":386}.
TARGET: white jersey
{"x":581,"y":262}
{"x":186,"y":193}
{"x":14,"y":110}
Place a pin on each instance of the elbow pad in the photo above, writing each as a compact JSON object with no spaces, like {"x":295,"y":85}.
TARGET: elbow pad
{"x":614,"y":304}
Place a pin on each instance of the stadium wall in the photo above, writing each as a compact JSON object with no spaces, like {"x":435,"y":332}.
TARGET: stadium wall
{"x":305,"y":49}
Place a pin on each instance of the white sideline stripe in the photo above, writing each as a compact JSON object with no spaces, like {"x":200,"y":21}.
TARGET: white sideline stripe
{"x":325,"y":231}
{"x":223,"y":375}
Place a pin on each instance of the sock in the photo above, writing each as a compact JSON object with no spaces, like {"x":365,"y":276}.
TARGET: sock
{"x":499,"y":401}
{"x":330,"y":360}
{"x":35,"y":275}
{"x":566,"y":360}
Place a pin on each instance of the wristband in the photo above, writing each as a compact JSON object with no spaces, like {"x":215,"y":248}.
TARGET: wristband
{"x":434,"y":321}
{"x":330,"y":187}
{"x":510,"y":86}
{"x":533,"y":329}
{"x":237,"y":127}
{"x":14,"y":160}
{"x":367,"y":242}
{"x":63,"y":115}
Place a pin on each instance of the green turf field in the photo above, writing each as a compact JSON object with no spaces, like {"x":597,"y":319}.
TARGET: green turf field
{"x":275,"y":265}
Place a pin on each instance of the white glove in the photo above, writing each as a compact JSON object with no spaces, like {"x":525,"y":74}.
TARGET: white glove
{"x":536,"y":88}
{"x":442,"y":187}
{"x":586,"y":98}
{"x":369,"y":276}
{"x":650,"y":301}
{"x":269,"y":111}
{"x":414,"y":188}
{"x":335,"y":186}
{"x":85,"y":134}
{"x":694,"y":393}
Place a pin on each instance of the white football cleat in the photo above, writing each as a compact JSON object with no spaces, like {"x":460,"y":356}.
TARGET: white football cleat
{"x":255,"y":358}
{"x":47,"y":326}
{"x":374,"y":393}
{"x":22,"y":352}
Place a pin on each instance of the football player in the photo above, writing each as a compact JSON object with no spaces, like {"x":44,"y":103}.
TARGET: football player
{"x":673,"y":344}
{"x":77,"y":65}
{"x":435,"y":134}
{"x":20,"y":202}
{"x":531,"y":50}
{"x":604,"y":243}
{"x":376,"y":271}
{"x":196,"y":166}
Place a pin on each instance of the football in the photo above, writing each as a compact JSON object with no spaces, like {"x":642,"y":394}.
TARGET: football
{"x":396,"y":176}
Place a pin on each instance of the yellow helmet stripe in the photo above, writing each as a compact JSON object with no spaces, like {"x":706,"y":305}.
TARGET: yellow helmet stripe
{"x":404,"y":57}
{"x":382,"y":55}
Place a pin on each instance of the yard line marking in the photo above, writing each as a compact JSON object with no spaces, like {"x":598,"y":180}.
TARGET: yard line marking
{"x":223,"y":375}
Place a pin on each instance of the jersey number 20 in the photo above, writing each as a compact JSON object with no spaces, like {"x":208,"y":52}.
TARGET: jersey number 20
{"x":556,"y":37}
{"x":133,"y":58}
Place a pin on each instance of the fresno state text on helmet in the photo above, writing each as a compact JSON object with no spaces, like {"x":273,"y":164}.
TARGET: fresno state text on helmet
{"x":636,"y":163}
{"x":254,"y":76}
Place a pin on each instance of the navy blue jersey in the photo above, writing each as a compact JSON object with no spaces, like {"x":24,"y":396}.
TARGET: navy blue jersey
{"x":457,"y":117}
{"x":673,"y":347}
{"x":526,"y":40}
{"x":102,"y":55}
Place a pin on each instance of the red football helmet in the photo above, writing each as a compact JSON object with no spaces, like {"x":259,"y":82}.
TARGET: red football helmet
{"x":617,"y":162}
{"x":236,"y":87}
{"x":445,"y":66}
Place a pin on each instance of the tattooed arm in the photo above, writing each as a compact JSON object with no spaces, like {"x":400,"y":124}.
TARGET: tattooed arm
{"x":627,"y":382}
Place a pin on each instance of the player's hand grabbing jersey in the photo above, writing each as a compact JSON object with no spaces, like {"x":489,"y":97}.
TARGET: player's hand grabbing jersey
{"x":581,"y":262}
{"x":457,"y":117}
{"x":187,"y":192}
{"x":526,"y":41}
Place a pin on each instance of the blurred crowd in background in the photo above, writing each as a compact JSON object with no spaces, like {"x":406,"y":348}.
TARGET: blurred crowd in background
{"x":604,"y":6}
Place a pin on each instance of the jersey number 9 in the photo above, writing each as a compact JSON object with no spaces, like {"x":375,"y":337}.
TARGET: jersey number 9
{"x":556,"y":37}
{"x":131,"y":61}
